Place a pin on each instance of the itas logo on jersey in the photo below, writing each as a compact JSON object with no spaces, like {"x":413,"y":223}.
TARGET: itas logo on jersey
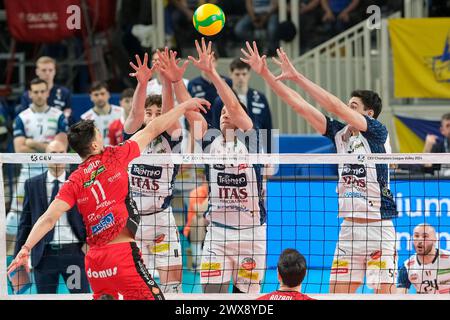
{"x":105,"y":223}
{"x":232,"y":180}
{"x":147,"y":171}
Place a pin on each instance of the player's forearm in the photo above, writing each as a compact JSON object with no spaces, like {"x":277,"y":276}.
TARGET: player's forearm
{"x":181,"y":92}
{"x":225,"y":92}
{"x":161,"y":123}
{"x":36,"y":145}
{"x":136,"y":117}
{"x":167,"y":96}
{"x":197,"y":124}
{"x":22,"y":148}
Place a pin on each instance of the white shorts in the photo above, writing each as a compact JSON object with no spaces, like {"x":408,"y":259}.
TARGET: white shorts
{"x":239,"y":255}
{"x":365,"y":249}
{"x":159,"y":240}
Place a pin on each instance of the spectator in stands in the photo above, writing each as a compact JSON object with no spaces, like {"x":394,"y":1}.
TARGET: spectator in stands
{"x":60,"y":251}
{"x":291,"y":270}
{"x":34,"y":129}
{"x":115,"y":131}
{"x":261,"y":14}
{"x":103,"y":113}
{"x":195,"y":228}
{"x":338,"y":15}
{"x":310,"y":15}
{"x":435,"y":145}
{"x":59,"y":96}
{"x":255,"y":101}
{"x":202,"y":87}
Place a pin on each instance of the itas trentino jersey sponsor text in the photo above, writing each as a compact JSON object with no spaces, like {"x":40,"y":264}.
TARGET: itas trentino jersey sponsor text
{"x":235,"y":191}
{"x":99,"y":188}
{"x":103,"y":121}
{"x":363,"y":190}
{"x":152,"y":185}
{"x":429,"y":278}
{"x":40,"y":126}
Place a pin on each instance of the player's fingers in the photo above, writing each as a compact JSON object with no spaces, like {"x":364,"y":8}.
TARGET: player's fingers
{"x":264,"y":59}
{"x":138,"y":59}
{"x":249,"y":48}
{"x":197,"y":46}
{"x":208,"y":50}
{"x":279,"y":78}
{"x":255,"y":48}
{"x":132,"y":74}
{"x":134,"y":66}
{"x":185,"y":65}
{"x":203,"y":44}
{"x":245,"y":60}
{"x":275,"y":60}
{"x":145,"y":59}
{"x":245,"y":53}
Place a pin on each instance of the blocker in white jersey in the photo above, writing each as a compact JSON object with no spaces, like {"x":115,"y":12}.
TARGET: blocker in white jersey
{"x":364,"y":248}
{"x":102,"y":121}
{"x":428,"y":278}
{"x":235,"y":244}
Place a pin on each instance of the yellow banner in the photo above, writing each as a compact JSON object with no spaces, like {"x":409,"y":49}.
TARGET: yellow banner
{"x":421,"y":57}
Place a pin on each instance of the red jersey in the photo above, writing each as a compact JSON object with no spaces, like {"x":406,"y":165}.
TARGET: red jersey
{"x":99,"y":188}
{"x":115,"y":132}
{"x":285,"y":295}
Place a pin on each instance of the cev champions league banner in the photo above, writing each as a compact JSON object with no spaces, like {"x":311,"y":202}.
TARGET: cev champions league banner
{"x":421,"y":50}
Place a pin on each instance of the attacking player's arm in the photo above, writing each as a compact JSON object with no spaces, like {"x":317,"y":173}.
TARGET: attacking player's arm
{"x":160,"y":124}
{"x":327,"y":100}
{"x":42,"y":226}
{"x":314,"y":117}
{"x":167,"y":105}
{"x":170,"y":68}
{"x":143,"y":74}
{"x":237,"y":114}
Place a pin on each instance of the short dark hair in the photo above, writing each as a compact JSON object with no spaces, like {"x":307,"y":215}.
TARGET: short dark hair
{"x":98,"y":85}
{"x":154,"y":99}
{"x":106,"y":297}
{"x":445,"y":117}
{"x":370,"y":99}
{"x":127,"y":93}
{"x":238,"y":64}
{"x":36,"y":81}
{"x":291,"y":267}
{"x":80,"y":136}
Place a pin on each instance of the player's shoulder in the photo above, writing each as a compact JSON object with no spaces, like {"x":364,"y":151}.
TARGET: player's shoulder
{"x":116,"y":109}
{"x":88,"y":115}
{"x":54,"y":112}
{"x":27,"y":113}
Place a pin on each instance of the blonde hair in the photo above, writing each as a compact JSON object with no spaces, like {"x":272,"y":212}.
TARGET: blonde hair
{"x":45,"y":59}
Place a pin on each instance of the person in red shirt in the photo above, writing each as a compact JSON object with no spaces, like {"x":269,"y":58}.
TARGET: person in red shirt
{"x":115,"y":132}
{"x":291,"y":271}
{"x":99,"y":188}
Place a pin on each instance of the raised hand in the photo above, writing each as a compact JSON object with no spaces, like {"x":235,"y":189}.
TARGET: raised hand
{"x":288,"y":71}
{"x":253,"y":59}
{"x":170,"y":67}
{"x":142,"y":72}
{"x":20,"y":260}
{"x":195,"y":104}
{"x":205,"y":57}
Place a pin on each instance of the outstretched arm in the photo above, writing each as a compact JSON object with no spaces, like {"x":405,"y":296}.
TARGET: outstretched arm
{"x":143,"y":74}
{"x":327,"y":100}
{"x":204,"y":62}
{"x":170,"y":68}
{"x":313,"y":116}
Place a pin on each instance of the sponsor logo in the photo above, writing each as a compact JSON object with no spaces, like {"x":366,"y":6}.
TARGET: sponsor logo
{"x":160,"y":238}
{"x":444,"y":256}
{"x":246,"y":274}
{"x":209,"y":274}
{"x":386,"y":192}
{"x":234,"y":180}
{"x":357,"y":170}
{"x":160,"y":248}
{"x":233,"y":193}
{"x":102,"y":273}
{"x":361,"y":158}
{"x":376,"y":255}
{"x":219,"y":167}
{"x":105,"y":223}
{"x":243,"y":166}
{"x":413,"y":277}
{"x":83,"y":200}
{"x":94,"y":175}
{"x":443,"y":271}
{"x":444,"y":291}
{"x":340,"y":263}
{"x":248,"y":264}
{"x":144,"y":183}
{"x":114,"y":177}
{"x":353,"y":194}
{"x":91,"y":167}
{"x":35,"y":157}
{"x":147,"y":171}
{"x":211,"y":266}
{"x":377,"y":264}
{"x":410,"y":263}
{"x":339,"y":270}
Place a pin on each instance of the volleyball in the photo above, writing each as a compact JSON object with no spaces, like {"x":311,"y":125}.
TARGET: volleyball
{"x":208,"y":19}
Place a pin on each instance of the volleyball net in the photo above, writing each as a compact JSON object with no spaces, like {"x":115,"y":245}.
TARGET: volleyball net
{"x":294,"y":197}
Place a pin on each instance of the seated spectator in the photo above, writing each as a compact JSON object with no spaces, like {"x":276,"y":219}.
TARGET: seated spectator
{"x":261,"y":14}
{"x":116,"y":127}
{"x":433,"y":144}
{"x":61,"y":249}
{"x":59,"y":96}
{"x":291,"y":270}
{"x":103,"y":113}
{"x":338,"y":15}
{"x":310,"y":15}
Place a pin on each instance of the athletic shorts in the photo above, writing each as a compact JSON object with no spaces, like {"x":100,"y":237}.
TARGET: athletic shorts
{"x":238,"y":255}
{"x":159,"y":239}
{"x":365,"y":250}
{"x":119,"y":269}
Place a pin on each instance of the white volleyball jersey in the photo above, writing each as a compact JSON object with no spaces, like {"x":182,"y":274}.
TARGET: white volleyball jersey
{"x":235,"y":198}
{"x":429,"y":278}
{"x":363,"y":190}
{"x":152,"y":185}
{"x":40,"y":126}
{"x":102,"y":121}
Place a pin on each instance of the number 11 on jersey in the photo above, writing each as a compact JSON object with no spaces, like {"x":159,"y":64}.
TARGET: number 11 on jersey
{"x":102,"y":192}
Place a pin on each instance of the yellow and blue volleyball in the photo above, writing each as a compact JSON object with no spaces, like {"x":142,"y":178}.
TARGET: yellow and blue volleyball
{"x":208,"y":19}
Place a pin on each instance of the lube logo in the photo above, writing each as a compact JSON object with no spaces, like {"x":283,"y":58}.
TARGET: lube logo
{"x":102,"y":273}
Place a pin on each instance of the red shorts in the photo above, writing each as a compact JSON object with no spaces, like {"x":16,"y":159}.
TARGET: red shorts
{"x":119,"y":269}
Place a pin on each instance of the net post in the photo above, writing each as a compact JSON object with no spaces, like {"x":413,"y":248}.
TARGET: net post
{"x":3,"y":275}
